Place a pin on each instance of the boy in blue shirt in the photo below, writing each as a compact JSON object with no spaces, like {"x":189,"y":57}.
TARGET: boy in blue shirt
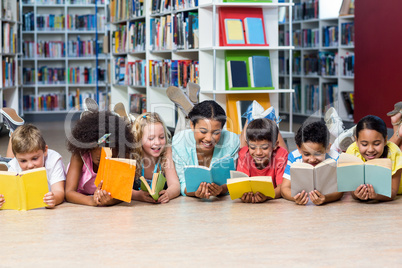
{"x":313,"y":147}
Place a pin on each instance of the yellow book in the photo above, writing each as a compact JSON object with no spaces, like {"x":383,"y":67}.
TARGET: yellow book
{"x":234,"y":31}
{"x":25,"y":190}
{"x":117,"y":175}
{"x":239,"y":183}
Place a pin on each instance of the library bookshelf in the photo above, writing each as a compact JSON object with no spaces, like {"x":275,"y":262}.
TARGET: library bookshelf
{"x":323,"y":59}
{"x":205,"y":56}
{"x":63,"y":60}
{"x":9,"y":74}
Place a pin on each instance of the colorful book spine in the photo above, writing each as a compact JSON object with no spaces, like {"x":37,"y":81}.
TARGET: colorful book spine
{"x":178,"y":73}
{"x":136,"y":36}
{"x":348,"y":34}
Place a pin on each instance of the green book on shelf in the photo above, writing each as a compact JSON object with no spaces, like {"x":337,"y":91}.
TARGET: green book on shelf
{"x":236,"y":56}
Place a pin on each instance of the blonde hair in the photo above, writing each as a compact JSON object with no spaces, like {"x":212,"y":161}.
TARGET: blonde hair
{"x":138,"y":131}
{"x":27,"y":139}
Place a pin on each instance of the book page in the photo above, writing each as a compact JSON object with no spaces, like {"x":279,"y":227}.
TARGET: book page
{"x":380,"y":177}
{"x":382,"y":162}
{"x":348,"y":159}
{"x":302,"y":178}
{"x":36,"y":186}
{"x":237,"y":187}
{"x":237,"y":174}
{"x":325,"y":177}
{"x":220,"y":170}
{"x":194,"y":175}
{"x":10,"y":189}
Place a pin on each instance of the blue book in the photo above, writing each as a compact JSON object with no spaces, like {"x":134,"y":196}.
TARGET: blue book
{"x":353,"y":172}
{"x":237,"y":74}
{"x":254,"y":31}
{"x":260,"y":71}
{"x":218,"y":173}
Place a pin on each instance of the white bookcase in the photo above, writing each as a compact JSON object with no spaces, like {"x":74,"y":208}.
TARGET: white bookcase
{"x":210,"y":55}
{"x":93,"y":30}
{"x":9,"y":74}
{"x":328,"y":11}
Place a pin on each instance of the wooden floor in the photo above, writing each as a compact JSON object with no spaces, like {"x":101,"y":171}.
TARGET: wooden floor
{"x":201,"y":233}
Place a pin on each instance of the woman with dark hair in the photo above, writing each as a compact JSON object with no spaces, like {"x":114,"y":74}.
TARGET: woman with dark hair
{"x":204,"y":143}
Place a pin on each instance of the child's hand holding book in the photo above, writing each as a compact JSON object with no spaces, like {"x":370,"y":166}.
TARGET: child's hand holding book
{"x":258,"y":197}
{"x":1,"y":200}
{"x":317,"y":198}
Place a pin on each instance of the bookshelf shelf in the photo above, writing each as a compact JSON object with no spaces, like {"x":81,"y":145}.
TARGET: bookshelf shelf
{"x":66,"y":55}
{"x":323,"y":74}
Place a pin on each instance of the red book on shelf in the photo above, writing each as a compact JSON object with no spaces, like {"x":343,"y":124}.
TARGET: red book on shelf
{"x":232,"y":20}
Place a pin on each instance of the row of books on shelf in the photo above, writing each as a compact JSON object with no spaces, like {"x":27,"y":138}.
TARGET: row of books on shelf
{"x":138,"y":103}
{"x":57,"y":101}
{"x":306,"y":10}
{"x":330,"y":36}
{"x":307,"y":38}
{"x":60,"y":2}
{"x":348,"y":62}
{"x":124,"y":9}
{"x":160,"y":6}
{"x":165,"y":73}
{"x":57,"y":49}
{"x":177,"y":31}
{"x":9,"y":66}
{"x":53,"y":76}
{"x":58,"y":22}
{"x":131,"y":41}
{"x":348,"y":33}
{"x":9,"y":39}
{"x":296,"y":99}
{"x":131,"y":73}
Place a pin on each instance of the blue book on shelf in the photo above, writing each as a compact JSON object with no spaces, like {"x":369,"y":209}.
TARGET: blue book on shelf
{"x":254,"y":31}
{"x":237,"y":74}
{"x":260,"y":71}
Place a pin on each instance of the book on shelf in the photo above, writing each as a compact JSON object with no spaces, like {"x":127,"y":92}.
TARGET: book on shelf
{"x":136,"y":36}
{"x":242,"y":106}
{"x":24,"y":190}
{"x":117,"y":175}
{"x":347,"y":97}
{"x":347,"y":8}
{"x":165,"y":73}
{"x":185,"y":30}
{"x":348,"y":33}
{"x":306,"y":10}
{"x":119,"y":39}
{"x":348,"y":64}
{"x":138,"y":103}
{"x":311,"y":64}
{"x":310,"y":38}
{"x":312,"y":100}
{"x":239,"y":26}
{"x":161,"y":32}
{"x":330,"y":36}
{"x":135,"y":74}
{"x":353,"y":172}
{"x":183,"y":4}
{"x":321,"y":177}
{"x":260,"y":71}
{"x":234,"y":31}
{"x":157,"y":185}
{"x":240,"y":183}
{"x":329,"y":95}
{"x":254,"y":30}
{"x":328,"y":64}
{"x":9,"y":67}
{"x":218,"y":173}
{"x":237,"y":74}
{"x":50,"y":22}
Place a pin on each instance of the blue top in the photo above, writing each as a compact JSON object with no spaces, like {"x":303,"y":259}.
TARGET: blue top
{"x":185,"y":153}
{"x":296,"y":156}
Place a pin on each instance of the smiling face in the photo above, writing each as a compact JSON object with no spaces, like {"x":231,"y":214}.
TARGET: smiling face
{"x":261,"y":152}
{"x":207,"y":133}
{"x":153,"y":140}
{"x":32,"y":160}
{"x":371,"y":143}
{"x":312,"y":153}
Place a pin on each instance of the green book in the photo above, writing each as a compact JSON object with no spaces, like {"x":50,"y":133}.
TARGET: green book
{"x":157,"y":185}
{"x":352,"y":172}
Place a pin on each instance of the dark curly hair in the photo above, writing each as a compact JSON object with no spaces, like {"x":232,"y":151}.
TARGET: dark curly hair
{"x":316,"y":132}
{"x":373,"y":122}
{"x":208,"y":109}
{"x":87,"y":131}
{"x":262,"y":129}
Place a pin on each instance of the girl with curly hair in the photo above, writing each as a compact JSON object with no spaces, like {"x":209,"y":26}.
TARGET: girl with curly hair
{"x":89,"y":135}
{"x":153,"y":154}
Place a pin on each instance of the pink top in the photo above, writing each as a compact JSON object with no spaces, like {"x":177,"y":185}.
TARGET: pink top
{"x":86,"y":184}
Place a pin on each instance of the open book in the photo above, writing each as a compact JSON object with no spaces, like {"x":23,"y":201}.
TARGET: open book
{"x":25,"y":190}
{"x":239,"y":183}
{"x":352,"y":172}
{"x":117,"y":175}
{"x":157,"y":185}
{"x":321,"y":177}
{"x":218,"y":173}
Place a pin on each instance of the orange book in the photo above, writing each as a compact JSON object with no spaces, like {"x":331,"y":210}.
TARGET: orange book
{"x":117,"y":175}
